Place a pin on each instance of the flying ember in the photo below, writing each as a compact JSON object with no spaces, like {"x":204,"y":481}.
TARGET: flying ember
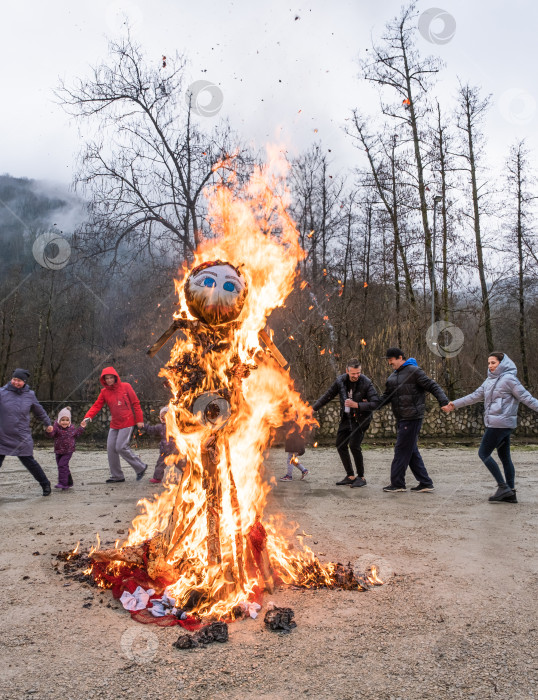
{"x":206,"y":540}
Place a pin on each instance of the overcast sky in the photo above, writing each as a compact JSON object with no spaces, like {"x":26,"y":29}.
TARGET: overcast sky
{"x":285,"y":69}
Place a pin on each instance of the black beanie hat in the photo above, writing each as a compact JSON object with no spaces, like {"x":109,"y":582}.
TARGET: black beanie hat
{"x":23,"y":374}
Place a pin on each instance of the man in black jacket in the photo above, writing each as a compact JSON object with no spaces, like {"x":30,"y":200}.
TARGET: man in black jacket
{"x":353,"y":388}
{"x":406,"y":391}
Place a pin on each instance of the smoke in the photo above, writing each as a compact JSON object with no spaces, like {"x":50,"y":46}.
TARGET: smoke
{"x":70,"y":214}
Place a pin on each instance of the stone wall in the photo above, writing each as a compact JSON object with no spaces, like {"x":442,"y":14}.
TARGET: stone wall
{"x":98,"y":428}
{"x":465,"y":422}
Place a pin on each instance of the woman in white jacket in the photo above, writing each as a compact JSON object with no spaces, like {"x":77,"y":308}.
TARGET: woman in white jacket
{"x":501,"y":393}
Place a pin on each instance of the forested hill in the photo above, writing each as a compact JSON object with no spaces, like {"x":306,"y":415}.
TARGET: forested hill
{"x":29,"y":207}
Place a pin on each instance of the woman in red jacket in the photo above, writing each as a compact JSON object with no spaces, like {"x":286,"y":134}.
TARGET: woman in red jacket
{"x":125,"y":411}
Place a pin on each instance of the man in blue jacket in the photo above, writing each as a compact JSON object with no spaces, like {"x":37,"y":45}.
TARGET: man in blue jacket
{"x":405,"y":390}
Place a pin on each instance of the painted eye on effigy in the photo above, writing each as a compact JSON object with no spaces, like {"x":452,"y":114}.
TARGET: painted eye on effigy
{"x":208,"y":282}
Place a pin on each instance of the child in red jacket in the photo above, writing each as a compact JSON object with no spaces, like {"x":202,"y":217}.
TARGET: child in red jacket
{"x":65,"y":435}
{"x":126,"y":413}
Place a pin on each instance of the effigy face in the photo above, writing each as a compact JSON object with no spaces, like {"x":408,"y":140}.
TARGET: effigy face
{"x":215,"y":292}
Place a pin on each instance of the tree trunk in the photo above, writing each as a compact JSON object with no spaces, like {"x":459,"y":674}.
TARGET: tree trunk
{"x":478,"y":241}
{"x":520,"y":258}
{"x":471,"y":108}
{"x":419,"y":165}
{"x":10,"y":334}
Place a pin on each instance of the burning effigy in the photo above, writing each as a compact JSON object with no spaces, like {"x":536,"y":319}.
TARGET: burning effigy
{"x":204,"y":543}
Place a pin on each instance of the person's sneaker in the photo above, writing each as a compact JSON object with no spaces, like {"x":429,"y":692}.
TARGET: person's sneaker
{"x":427,"y":488}
{"x":358,"y":482}
{"x":285,"y":478}
{"x":394,"y":489}
{"x":114,"y":481}
{"x":501,"y":494}
{"x":345,"y":482}
{"x":155,"y":481}
{"x":305,"y":473}
{"x":141,"y":475}
{"x":46,"y":489}
{"x":60,"y":486}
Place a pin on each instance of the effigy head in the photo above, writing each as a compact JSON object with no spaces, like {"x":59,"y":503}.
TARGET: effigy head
{"x":215,"y":292}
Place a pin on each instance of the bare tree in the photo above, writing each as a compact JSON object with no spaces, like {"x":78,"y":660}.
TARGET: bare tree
{"x":385,"y":180}
{"x":397,"y":65}
{"x":520,"y":184}
{"x":471,"y":109}
{"x":145,"y":169}
{"x":317,"y":210}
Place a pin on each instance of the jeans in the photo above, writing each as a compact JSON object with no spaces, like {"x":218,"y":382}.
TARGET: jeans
{"x":498,"y":439}
{"x":34,"y":468}
{"x":406,"y":454}
{"x":350,"y":436}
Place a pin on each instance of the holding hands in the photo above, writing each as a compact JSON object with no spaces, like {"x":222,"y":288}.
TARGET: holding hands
{"x":353,"y":404}
{"x":49,"y":429}
{"x":448,"y":408}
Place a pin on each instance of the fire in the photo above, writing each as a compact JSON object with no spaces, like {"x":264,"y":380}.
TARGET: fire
{"x":204,"y":539}
{"x":75,"y":551}
{"x":373,"y":578}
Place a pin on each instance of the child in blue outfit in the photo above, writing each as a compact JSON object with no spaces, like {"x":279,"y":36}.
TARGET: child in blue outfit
{"x":295,"y":447}
{"x":167,"y":448}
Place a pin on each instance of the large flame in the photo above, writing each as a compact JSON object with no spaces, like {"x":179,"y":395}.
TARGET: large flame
{"x":207,"y":541}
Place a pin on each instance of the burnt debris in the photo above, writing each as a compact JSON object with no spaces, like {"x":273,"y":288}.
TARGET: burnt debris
{"x":280,"y":619}
{"x":215,"y":632}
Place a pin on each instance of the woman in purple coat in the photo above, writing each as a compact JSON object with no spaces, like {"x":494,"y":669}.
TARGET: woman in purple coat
{"x":16,"y":402}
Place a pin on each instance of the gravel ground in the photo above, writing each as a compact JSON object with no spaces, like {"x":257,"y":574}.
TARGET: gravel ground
{"x":456,"y":618}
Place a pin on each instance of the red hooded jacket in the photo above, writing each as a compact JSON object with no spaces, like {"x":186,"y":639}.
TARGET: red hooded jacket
{"x":121,"y":400}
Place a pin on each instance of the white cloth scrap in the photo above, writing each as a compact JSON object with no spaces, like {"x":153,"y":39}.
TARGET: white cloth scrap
{"x":250,"y":608}
{"x":137,"y":600}
{"x":165,"y":606}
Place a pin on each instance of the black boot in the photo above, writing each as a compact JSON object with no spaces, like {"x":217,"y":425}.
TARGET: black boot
{"x":512,"y":498}
{"x":501,"y":494}
{"x":46,"y":489}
